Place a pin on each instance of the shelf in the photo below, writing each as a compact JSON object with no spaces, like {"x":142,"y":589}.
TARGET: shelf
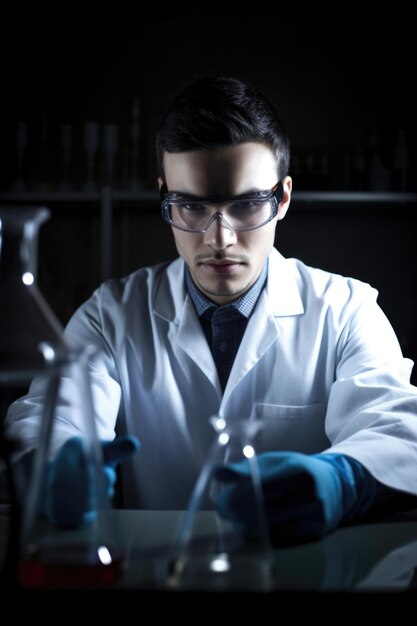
{"x":360,"y":197}
{"x":107,"y":199}
{"x":78,"y":196}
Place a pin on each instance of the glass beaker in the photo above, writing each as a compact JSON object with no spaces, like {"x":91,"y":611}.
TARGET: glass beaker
{"x":27,"y":326}
{"x":33,"y":349}
{"x":67,"y":538}
{"x":209,"y":552}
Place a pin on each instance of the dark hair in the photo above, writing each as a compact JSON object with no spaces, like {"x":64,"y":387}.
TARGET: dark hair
{"x":220,"y":111}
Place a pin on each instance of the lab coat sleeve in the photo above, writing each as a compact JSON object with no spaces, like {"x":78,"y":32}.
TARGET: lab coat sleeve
{"x":24,"y":415}
{"x":372,"y":407}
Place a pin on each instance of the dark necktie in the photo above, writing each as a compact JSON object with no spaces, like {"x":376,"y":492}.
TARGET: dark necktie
{"x":224,"y":327}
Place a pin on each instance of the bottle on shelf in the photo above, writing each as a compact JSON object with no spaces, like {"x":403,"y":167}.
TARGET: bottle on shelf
{"x":21,"y":138}
{"x":110,"y":145}
{"x":359,"y":182}
{"x":44,"y":163}
{"x":66,"y":142}
{"x":401,"y":161}
{"x":136,"y":179}
{"x":91,"y":148}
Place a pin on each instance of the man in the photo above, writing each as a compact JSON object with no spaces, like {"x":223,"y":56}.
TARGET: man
{"x":231,"y":328}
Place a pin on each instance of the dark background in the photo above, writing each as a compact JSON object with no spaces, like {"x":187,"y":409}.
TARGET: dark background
{"x":339,"y":79}
{"x":343,"y":83}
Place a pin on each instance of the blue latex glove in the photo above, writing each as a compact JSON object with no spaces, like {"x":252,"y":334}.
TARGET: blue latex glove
{"x":305,"y":496}
{"x":69,"y":500}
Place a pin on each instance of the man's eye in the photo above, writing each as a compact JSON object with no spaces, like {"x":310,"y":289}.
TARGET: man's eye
{"x":192,"y":207}
{"x":244,"y":207}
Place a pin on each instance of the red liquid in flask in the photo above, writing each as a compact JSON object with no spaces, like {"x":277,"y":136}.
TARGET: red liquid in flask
{"x":73,"y":566}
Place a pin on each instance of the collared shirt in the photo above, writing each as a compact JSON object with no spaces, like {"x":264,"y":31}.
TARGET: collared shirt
{"x":224,"y":325}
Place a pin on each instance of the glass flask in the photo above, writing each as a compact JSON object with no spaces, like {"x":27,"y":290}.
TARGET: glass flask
{"x":82,"y":553}
{"x":209,"y":552}
{"x":33,"y":349}
{"x":26,"y":321}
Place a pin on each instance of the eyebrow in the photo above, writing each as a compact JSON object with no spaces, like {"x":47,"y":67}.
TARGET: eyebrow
{"x":192,"y":196}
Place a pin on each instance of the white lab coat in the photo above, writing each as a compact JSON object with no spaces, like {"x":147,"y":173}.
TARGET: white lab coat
{"x":319,"y":363}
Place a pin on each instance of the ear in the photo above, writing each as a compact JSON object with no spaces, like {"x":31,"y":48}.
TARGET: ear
{"x":286,"y":197}
{"x":160,"y":183}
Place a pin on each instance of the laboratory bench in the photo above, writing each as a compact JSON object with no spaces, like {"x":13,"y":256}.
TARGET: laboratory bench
{"x":376,"y":557}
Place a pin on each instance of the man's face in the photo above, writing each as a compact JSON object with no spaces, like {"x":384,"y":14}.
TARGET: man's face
{"x":223,"y":263}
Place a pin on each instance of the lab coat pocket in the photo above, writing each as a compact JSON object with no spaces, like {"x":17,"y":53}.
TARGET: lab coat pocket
{"x":298,"y":428}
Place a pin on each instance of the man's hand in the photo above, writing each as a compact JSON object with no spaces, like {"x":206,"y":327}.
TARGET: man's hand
{"x":69,"y":499}
{"x":305,"y":495}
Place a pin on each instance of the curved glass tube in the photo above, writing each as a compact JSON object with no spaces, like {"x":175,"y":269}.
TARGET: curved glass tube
{"x":27,"y":324}
{"x":209,"y":552}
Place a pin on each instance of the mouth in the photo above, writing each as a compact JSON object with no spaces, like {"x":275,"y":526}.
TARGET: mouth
{"x":225,"y":266}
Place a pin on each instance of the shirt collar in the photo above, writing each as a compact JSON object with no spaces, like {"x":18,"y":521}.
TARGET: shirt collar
{"x":244,"y":304}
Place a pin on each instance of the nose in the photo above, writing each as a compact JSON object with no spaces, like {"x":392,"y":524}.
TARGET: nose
{"x":219,"y":234}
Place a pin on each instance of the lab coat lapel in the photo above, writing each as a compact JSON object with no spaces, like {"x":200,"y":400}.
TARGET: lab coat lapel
{"x":193,"y":343}
{"x":187,"y":338}
{"x":280,"y":298}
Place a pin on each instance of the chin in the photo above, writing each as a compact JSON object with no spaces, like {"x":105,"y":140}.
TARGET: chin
{"x":231,"y":294}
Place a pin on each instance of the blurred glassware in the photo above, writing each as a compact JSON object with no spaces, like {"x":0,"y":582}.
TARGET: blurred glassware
{"x":27,"y":323}
{"x":33,"y":348}
{"x":208,"y":552}
{"x":55,"y":551}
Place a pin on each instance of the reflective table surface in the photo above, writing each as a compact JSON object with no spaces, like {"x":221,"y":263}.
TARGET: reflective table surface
{"x":377,"y":557}
{"x":373,"y":557}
